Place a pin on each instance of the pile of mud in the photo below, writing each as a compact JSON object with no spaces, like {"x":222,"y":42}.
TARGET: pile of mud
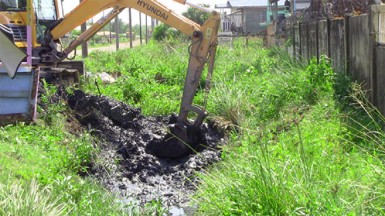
{"x":126,"y":167}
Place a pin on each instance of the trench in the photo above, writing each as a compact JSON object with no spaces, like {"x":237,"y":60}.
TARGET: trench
{"x":126,"y":167}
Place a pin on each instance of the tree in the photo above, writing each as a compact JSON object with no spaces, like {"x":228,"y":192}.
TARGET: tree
{"x":197,"y":15}
{"x":123,"y":27}
{"x":163,"y":31}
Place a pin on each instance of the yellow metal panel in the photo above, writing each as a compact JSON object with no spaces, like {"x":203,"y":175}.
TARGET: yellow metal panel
{"x":89,"y":8}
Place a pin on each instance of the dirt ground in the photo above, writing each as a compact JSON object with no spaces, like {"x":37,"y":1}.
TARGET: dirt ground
{"x":126,"y":167}
{"x":112,"y":47}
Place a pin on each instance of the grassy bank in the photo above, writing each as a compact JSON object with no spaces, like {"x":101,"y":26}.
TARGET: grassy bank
{"x":41,"y":167}
{"x":298,"y":143}
{"x":307,"y":143}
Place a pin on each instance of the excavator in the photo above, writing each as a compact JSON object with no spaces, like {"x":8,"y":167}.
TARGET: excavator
{"x":30,"y":46}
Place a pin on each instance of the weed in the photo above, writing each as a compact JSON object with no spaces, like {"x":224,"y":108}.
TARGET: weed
{"x":30,"y":199}
{"x":290,"y":155}
{"x":51,"y":104}
{"x":299,"y":146}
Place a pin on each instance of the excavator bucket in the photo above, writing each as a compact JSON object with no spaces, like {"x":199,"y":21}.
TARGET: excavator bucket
{"x":10,"y":55}
{"x":182,"y":139}
{"x":187,"y":135}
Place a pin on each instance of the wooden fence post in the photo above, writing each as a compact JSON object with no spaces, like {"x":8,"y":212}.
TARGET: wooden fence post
{"x":297,"y":42}
{"x":304,"y":41}
{"x":337,"y":45}
{"x":312,"y":40}
{"x":360,"y":52}
{"x":323,"y":38}
{"x":377,"y":39}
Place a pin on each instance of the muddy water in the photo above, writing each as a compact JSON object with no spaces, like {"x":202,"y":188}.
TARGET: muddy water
{"x":125,"y":167}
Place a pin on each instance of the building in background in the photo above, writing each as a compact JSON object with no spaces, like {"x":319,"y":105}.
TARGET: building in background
{"x":250,"y":17}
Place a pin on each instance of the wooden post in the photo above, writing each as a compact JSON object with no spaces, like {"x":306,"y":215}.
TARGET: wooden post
{"x":130,"y":25}
{"x":117,"y":32}
{"x":110,"y":32}
{"x":140,"y":27}
{"x":146,"y":29}
{"x":83,"y":28}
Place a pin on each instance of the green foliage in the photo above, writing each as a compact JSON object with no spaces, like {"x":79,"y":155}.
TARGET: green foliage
{"x":164,"y":32}
{"x":160,"y":32}
{"x":52,"y":106}
{"x":86,"y":197}
{"x":111,"y":26}
{"x":75,"y":32}
{"x":298,"y":146}
{"x":151,"y":77}
{"x":294,"y":151}
{"x":197,"y":15}
{"x":321,"y":75}
{"x":298,"y":165}
{"x":30,"y":199}
{"x":47,"y":155}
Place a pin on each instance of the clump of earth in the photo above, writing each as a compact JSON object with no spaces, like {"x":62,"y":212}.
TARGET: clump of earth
{"x":127,"y":166}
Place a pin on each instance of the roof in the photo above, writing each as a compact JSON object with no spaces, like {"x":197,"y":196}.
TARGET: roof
{"x":245,"y":3}
{"x":222,"y":5}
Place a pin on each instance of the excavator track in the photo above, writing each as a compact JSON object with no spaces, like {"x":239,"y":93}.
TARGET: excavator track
{"x":65,"y":73}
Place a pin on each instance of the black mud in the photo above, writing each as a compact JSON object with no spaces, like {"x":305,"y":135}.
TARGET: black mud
{"x":124,"y":166}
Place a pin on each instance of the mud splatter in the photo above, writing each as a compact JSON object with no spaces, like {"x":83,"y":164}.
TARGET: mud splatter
{"x":126,"y":167}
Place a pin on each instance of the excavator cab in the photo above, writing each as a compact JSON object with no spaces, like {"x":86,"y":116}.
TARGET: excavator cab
{"x":28,"y":22}
{"x":19,"y":5}
{"x":46,"y":15}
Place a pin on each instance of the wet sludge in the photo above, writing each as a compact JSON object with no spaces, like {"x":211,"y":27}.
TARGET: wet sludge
{"x":126,"y":167}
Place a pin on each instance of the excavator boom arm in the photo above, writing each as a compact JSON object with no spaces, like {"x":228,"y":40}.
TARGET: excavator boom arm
{"x":202,"y":50}
{"x":89,"y":8}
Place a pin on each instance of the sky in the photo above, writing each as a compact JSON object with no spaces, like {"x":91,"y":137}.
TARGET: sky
{"x":68,"y":5}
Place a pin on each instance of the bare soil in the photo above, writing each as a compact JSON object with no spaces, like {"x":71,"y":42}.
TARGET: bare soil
{"x":126,"y":167}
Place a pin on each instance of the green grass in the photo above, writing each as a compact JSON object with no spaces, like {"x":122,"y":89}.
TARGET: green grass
{"x":298,"y":145}
{"x":41,"y":164}
{"x":297,"y":150}
{"x":17,"y":199}
{"x":303,"y":140}
{"x":151,"y":76}
{"x":303,"y":170}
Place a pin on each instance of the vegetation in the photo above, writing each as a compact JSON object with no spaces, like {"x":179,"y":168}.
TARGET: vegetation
{"x":41,"y":165}
{"x":150,"y":77}
{"x":301,"y":146}
{"x":165,"y":32}
{"x":302,"y":140}
{"x":197,"y":15}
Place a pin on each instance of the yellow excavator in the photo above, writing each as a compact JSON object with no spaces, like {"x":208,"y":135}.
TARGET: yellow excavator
{"x":30,"y":46}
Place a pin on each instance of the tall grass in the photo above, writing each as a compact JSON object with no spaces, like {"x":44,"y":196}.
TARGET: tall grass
{"x":298,"y":150}
{"x":30,"y":199}
{"x":300,"y":145}
{"x":45,"y":161}
{"x":150,"y":77}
